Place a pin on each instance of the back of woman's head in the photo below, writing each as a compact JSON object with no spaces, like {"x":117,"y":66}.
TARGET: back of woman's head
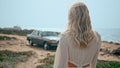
{"x":79,"y":25}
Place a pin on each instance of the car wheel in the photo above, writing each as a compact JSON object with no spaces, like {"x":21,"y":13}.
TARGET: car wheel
{"x":31,"y":43}
{"x":46,"y":46}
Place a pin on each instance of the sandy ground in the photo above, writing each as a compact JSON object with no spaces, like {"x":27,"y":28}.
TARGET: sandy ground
{"x":21,"y":44}
{"x":106,"y":50}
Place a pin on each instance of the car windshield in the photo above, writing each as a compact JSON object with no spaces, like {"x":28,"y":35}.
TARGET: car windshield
{"x":49,"y":34}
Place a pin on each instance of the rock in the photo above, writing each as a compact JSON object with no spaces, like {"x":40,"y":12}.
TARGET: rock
{"x":116,"y":52}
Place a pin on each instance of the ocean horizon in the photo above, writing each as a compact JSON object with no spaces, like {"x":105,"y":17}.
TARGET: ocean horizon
{"x":107,"y":34}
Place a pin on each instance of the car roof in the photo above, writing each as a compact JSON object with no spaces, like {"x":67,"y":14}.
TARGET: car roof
{"x":45,"y":31}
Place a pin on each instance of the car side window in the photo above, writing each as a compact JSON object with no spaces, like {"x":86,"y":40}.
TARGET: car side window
{"x":34,"y":33}
{"x":39,"y":34}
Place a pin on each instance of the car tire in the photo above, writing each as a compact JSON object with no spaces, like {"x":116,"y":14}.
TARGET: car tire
{"x":30,"y":42}
{"x":46,"y":46}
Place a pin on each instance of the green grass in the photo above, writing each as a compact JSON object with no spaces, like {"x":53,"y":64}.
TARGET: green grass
{"x":48,"y":63}
{"x":8,"y":59}
{"x":106,"y":64}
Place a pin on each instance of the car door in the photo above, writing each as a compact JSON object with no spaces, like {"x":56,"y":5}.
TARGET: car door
{"x":39,"y":38}
{"x":34,"y":37}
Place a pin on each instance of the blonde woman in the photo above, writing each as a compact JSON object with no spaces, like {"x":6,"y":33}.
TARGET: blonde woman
{"x":79,"y":45}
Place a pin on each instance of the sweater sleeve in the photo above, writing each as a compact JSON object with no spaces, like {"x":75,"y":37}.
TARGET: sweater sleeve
{"x":94,"y":60}
{"x":61,"y":55}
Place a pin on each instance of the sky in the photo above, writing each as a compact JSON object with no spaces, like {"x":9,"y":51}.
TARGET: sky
{"x":53,"y":14}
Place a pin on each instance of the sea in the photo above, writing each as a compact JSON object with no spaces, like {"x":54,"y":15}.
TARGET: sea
{"x":109,"y":34}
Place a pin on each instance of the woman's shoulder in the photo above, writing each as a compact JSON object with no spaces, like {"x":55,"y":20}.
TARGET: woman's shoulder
{"x":64,"y":37}
{"x":98,"y":38}
{"x":63,"y":41}
{"x":64,"y":34}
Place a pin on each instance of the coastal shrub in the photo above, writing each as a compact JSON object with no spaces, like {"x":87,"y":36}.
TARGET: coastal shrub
{"x":6,"y":38}
{"x":47,"y":62}
{"x":15,"y":32}
{"x":8,"y":59}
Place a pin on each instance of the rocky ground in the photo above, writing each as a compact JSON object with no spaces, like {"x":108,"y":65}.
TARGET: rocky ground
{"x":108,"y":51}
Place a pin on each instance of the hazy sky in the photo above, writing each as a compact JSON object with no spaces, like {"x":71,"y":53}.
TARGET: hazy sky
{"x":39,"y":14}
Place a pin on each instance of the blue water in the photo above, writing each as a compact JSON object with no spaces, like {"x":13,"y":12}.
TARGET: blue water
{"x":109,"y":34}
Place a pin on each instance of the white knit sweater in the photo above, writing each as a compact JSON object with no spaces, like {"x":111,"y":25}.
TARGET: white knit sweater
{"x":66,"y":51}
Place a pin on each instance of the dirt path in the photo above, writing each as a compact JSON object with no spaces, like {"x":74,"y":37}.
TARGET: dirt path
{"x":21,"y":44}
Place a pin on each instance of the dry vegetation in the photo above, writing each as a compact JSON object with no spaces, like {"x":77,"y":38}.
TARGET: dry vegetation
{"x":15,"y":52}
{"x":8,"y":59}
{"x":48,"y":63}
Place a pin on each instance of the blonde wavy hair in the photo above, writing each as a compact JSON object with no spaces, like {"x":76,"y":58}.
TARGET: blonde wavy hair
{"x":79,"y":25}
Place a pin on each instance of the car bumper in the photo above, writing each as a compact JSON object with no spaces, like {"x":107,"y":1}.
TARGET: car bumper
{"x":53,"y":44}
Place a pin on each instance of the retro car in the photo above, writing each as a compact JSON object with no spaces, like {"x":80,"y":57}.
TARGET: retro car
{"x":47,"y":39}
